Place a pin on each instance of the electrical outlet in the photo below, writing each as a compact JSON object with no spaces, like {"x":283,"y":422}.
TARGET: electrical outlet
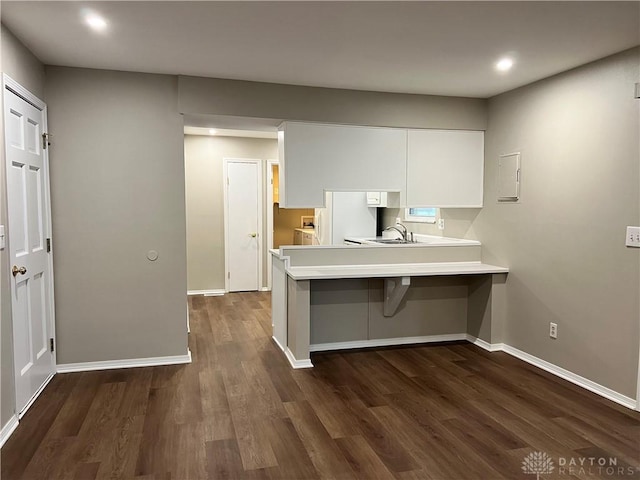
{"x":633,"y":237}
{"x":553,"y":330}
{"x":441,"y":223}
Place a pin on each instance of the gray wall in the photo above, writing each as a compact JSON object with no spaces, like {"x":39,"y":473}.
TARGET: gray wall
{"x":458,"y":222}
{"x":203,"y":157}
{"x":20,"y":64}
{"x":348,"y":310}
{"x":578,"y":134}
{"x":289,"y":102}
{"x":117,"y":183}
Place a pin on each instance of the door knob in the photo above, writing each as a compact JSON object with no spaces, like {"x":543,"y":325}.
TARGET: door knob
{"x":253,"y":235}
{"x":15,"y":270}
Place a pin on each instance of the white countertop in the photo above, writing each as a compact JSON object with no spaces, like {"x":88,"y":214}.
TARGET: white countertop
{"x":394,"y":270}
{"x":421,"y":240}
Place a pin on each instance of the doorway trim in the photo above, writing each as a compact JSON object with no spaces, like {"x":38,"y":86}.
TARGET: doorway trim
{"x":225,"y":180}
{"x":269,"y":245}
{"x":9,"y":84}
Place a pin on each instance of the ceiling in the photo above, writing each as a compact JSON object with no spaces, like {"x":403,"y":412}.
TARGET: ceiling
{"x":442,"y":48}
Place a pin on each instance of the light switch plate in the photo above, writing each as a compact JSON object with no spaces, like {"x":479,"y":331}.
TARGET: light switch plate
{"x":633,"y":237}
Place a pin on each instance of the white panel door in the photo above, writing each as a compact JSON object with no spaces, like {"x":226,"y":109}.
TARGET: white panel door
{"x":243,"y":224}
{"x":28,"y":197}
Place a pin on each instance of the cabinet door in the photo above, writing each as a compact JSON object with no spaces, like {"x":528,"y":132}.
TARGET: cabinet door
{"x":315,"y":158}
{"x":297,"y":237}
{"x":445,"y":168}
{"x":307,"y":239}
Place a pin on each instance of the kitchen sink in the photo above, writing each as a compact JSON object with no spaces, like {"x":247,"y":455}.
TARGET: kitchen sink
{"x":393,"y":241}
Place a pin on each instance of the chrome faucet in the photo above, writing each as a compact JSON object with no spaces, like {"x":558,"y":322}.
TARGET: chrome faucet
{"x":402,"y":232}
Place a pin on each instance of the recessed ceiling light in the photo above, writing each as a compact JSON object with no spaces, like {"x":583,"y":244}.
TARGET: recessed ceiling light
{"x":212,"y":131}
{"x":95,"y":21}
{"x":504,"y":64}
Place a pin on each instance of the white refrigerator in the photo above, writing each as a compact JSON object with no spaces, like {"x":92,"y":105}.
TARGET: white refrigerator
{"x":346,"y":215}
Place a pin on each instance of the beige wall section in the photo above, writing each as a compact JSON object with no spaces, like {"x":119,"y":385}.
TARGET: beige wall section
{"x":375,"y":255}
{"x":289,"y":102}
{"x":298,"y":330}
{"x":347,"y":310}
{"x":117,"y":183}
{"x":563,"y":242}
{"x":205,"y":202}
{"x":458,"y":222}
{"x":339,"y":310}
{"x":431,"y":306}
{"x":20,"y":64}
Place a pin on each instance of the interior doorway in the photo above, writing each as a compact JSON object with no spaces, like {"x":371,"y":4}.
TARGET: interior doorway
{"x":243,"y":224}
{"x":31,"y":263}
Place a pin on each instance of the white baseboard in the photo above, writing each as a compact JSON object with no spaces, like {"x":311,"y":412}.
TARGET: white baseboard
{"x":35,"y":396}
{"x":8,"y":429}
{"x":278,"y":343}
{"x":572,"y":377}
{"x":265,"y":289}
{"x":385,"y":342}
{"x":131,"y":363}
{"x":490,"y":347}
{"x":217,"y":292}
{"x":295,"y":363}
{"x":557,"y":371}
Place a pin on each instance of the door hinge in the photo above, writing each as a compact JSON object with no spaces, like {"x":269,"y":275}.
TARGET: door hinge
{"x":48,"y":245}
{"x":51,"y":345}
{"x":45,"y":140}
{"x":228,"y":274}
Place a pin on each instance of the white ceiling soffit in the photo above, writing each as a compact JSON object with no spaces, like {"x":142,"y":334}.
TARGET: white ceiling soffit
{"x":442,"y":48}
{"x":220,"y":132}
{"x":231,"y":122}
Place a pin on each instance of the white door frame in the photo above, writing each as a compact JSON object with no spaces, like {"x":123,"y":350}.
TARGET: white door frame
{"x":225,"y":179}
{"x":9,"y":84}
{"x":269,"y":245}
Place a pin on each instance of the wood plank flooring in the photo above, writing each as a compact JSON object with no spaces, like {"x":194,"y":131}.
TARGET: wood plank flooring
{"x":449,"y":411}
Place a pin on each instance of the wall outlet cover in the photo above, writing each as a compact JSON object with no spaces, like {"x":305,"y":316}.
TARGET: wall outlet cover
{"x":633,"y":237}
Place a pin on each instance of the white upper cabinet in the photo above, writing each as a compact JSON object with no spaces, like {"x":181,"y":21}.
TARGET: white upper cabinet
{"x":445,"y":168}
{"x":315,"y":158}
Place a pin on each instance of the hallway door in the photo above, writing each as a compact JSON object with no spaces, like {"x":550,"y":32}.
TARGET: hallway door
{"x":243,"y":223}
{"x":29,"y":253}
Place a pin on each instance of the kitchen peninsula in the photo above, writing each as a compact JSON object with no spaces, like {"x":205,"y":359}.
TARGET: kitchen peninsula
{"x":340,"y":297}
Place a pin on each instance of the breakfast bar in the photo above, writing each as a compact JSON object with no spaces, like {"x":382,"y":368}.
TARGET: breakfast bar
{"x":341,"y":297}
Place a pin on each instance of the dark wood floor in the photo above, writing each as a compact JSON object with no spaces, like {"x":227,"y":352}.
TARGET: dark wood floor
{"x":239,"y":411}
